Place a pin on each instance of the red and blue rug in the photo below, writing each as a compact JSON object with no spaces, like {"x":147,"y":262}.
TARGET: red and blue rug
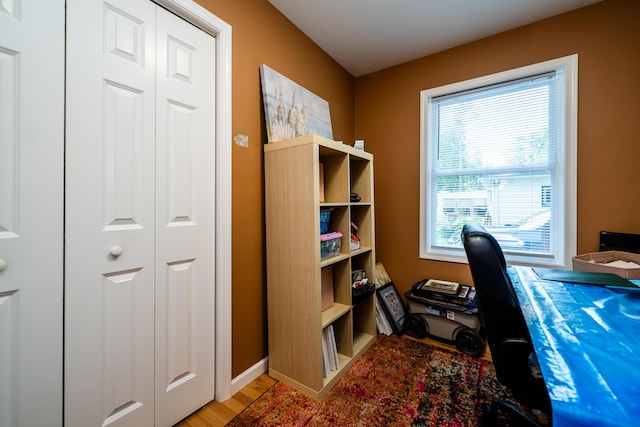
{"x":396,"y":382}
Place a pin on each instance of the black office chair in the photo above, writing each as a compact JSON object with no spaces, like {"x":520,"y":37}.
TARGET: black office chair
{"x":507,"y":334}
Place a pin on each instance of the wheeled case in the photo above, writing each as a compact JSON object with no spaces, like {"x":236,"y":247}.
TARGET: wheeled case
{"x":447,"y":318}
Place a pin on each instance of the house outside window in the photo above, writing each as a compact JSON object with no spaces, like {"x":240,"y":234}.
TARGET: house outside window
{"x":501,"y":150}
{"x":545,"y":196}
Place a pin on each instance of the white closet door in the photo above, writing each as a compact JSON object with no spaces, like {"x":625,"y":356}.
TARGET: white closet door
{"x":31,"y":211}
{"x":110,"y":213}
{"x":140,"y":191}
{"x":185,"y":173}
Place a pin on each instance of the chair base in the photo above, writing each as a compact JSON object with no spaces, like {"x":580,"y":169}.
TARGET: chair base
{"x":503,"y":414}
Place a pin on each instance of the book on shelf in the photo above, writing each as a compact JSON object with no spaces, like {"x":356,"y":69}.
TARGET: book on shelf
{"x":325,"y":356}
{"x":330,"y":360}
{"x":333,"y":354}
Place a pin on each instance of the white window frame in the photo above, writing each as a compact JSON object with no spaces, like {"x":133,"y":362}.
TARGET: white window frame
{"x":565,"y":219}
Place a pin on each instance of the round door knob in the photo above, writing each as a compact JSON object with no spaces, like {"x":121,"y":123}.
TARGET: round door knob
{"x":3,"y":264}
{"x":116,"y":251}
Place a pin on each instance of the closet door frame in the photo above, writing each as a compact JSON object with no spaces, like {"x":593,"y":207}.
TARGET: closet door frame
{"x":209,"y":23}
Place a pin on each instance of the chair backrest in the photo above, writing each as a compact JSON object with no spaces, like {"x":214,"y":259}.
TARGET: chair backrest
{"x":498,"y":308}
{"x":614,"y":241}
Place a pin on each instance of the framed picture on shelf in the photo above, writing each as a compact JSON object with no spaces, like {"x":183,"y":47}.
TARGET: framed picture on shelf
{"x":393,"y":306}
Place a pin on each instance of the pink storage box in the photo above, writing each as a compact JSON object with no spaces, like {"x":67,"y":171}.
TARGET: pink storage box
{"x":330,"y":244}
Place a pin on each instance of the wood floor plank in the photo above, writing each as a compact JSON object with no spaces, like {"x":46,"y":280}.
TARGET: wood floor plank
{"x":218,"y":414}
{"x":214,"y":414}
{"x":237,"y":403}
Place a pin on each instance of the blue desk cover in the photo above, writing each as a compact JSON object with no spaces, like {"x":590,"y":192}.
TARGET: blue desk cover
{"x":587,"y":340}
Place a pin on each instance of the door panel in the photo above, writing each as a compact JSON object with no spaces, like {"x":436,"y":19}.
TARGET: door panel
{"x":124,"y":362}
{"x":180,"y":359}
{"x":185,"y":216}
{"x":31,"y":211}
{"x":9,"y":168}
{"x":123,"y":157}
{"x":110,"y":213}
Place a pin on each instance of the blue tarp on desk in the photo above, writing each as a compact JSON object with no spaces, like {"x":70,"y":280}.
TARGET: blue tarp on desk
{"x":587,"y":340}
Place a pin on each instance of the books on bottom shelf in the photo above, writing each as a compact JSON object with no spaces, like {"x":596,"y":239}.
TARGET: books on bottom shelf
{"x":329,"y":351}
{"x":382,"y":322}
{"x":325,"y":356}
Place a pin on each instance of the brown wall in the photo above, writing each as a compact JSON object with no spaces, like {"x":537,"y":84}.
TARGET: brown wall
{"x":606,"y":37}
{"x":383,"y":108}
{"x":262,"y":35}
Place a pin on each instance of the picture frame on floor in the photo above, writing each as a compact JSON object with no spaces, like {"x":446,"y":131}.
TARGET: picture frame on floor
{"x":393,"y":306}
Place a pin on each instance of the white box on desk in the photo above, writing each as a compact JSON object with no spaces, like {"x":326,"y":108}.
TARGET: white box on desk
{"x":597,"y":261}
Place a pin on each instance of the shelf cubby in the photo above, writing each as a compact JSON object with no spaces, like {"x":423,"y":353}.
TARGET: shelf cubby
{"x":361,"y":172}
{"x":362,"y":217}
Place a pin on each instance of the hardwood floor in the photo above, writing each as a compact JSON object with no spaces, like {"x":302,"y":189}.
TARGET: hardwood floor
{"x":218,"y":414}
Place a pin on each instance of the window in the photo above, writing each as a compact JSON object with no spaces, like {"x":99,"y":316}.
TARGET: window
{"x":501,"y":150}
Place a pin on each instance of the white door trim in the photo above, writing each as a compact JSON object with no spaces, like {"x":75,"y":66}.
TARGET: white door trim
{"x":209,"y":23}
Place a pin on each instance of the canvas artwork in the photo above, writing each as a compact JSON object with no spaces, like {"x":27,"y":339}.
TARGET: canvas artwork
{"x":291,"y":110}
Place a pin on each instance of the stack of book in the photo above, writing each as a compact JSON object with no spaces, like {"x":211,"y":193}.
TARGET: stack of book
{"x":329,"y":351}
{"x":449,"y":294}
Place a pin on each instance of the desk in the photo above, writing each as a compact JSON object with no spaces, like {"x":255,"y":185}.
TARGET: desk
{"x":587,"y":340}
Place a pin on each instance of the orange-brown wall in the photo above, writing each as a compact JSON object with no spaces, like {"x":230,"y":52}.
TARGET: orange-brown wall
{"x":383,"y":108}
{"x":262,"y":35}
{"x":606,"y":37}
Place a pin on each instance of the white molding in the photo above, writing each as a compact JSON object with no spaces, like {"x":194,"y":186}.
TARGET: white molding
{"x":245,"y":378}
{"x":571,"y":158}
{"x":209,"y":23}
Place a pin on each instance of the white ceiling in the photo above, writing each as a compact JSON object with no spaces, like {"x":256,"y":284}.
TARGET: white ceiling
{"x":370,"y":35}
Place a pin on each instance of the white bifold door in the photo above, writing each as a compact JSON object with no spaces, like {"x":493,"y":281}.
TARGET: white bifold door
{"x":31,"y":211}
{"x":139,"y":236}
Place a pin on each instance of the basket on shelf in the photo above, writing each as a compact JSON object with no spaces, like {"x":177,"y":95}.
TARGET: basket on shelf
{"x":359,"y":293}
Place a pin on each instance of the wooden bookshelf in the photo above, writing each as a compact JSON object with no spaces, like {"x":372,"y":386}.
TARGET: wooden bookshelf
{"x":294,"y":297}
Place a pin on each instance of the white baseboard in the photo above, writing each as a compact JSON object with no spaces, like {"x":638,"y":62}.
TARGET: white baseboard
{"x":242,"y":380}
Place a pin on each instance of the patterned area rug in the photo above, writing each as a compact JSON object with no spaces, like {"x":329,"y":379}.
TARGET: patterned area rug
{"x":397,"y":382}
